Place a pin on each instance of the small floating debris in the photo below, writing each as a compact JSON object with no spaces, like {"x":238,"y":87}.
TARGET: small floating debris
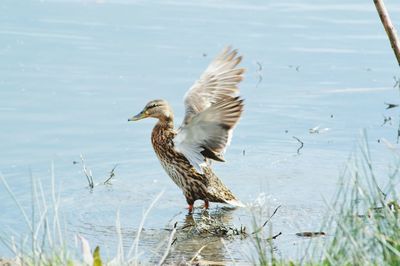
{"x":391,"y":105}
{"x":295,"y":67}
{"x":398,"y":134}
{"x":244,"y":152}
{"x":310,"y":234}
{"x":386,"y":119}
{"x":392,"y":206}
{"x":396,"y":82}
{"x":259,"y":73}
{"x":318,"y":130}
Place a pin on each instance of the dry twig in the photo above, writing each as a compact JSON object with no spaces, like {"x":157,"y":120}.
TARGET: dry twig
{"x":310,"y":234}
{"x":391,"y":105}
{"x":88,"y":173}
{"x":275,"y":236}
{"x":171,"y":241}
{"x":301,"y":144}
{"x":112,"y":174}
{"x":389,"y":28}
{"x":398,"y":134}
{"x":197,"y":254}
{"x":396,"y":82}
{"x":265,"y":223}
{"x":259,"y":72}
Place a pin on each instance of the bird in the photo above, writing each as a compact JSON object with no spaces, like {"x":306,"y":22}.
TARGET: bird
{"x":213,"y":108}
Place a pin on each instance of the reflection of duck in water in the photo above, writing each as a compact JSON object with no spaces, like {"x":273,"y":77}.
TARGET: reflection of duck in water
{"x":202,"y":232}
{"x":217,"y":223}
{"x":212,"y":111}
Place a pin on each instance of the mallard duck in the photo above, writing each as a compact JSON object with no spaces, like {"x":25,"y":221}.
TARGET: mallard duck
{"x":212,"y":109}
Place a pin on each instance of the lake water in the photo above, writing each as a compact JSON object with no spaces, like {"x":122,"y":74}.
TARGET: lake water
{"x":72,"y":72}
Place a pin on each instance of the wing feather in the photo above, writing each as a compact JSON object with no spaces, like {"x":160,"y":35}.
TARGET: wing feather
{"x":218,"y":81}
{"x":212,"y":109}
{"x":209,"y":132}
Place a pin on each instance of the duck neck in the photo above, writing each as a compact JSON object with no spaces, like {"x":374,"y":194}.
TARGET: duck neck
{"x":166,"y":122}
{"x":162,"y":133}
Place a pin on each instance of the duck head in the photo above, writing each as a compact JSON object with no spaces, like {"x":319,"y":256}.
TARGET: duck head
{"x":159,"y":109}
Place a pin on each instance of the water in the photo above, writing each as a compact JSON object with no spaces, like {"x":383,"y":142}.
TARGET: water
{"x":72,"y":72}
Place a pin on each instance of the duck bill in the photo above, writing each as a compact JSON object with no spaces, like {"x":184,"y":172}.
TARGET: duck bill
{"x":139,"y":116}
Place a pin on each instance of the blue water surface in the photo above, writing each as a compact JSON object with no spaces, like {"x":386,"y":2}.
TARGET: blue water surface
{"x":72,"y":72}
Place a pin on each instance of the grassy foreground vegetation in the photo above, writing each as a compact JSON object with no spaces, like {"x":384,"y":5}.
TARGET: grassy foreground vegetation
{"x":365,"y":216}
{"x":362,"y":226}
{"x":362,"y":223}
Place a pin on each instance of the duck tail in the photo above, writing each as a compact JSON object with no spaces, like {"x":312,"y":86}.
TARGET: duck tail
{"x":236,"y":203}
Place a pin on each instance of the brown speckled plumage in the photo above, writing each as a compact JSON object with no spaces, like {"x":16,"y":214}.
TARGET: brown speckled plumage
{"x":212,"y":111}
{"x":205,"y":186}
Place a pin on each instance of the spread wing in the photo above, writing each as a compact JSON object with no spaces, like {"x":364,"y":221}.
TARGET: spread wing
{"x":212,"y":111}
{"x":218,"y":81}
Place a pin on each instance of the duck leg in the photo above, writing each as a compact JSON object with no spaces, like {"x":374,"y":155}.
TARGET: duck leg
{"x":190,"y":208}
{"x":190,"y":203}
{"x":206,"y":204}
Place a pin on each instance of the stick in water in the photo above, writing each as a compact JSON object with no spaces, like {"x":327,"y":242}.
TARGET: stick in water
{"x":389,"y":28}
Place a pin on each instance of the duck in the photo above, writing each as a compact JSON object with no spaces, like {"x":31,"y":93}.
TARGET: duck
{"x":213,"y":108}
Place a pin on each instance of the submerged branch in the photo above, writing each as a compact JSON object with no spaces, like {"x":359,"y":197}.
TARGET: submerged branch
{"x":112,"y":174}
